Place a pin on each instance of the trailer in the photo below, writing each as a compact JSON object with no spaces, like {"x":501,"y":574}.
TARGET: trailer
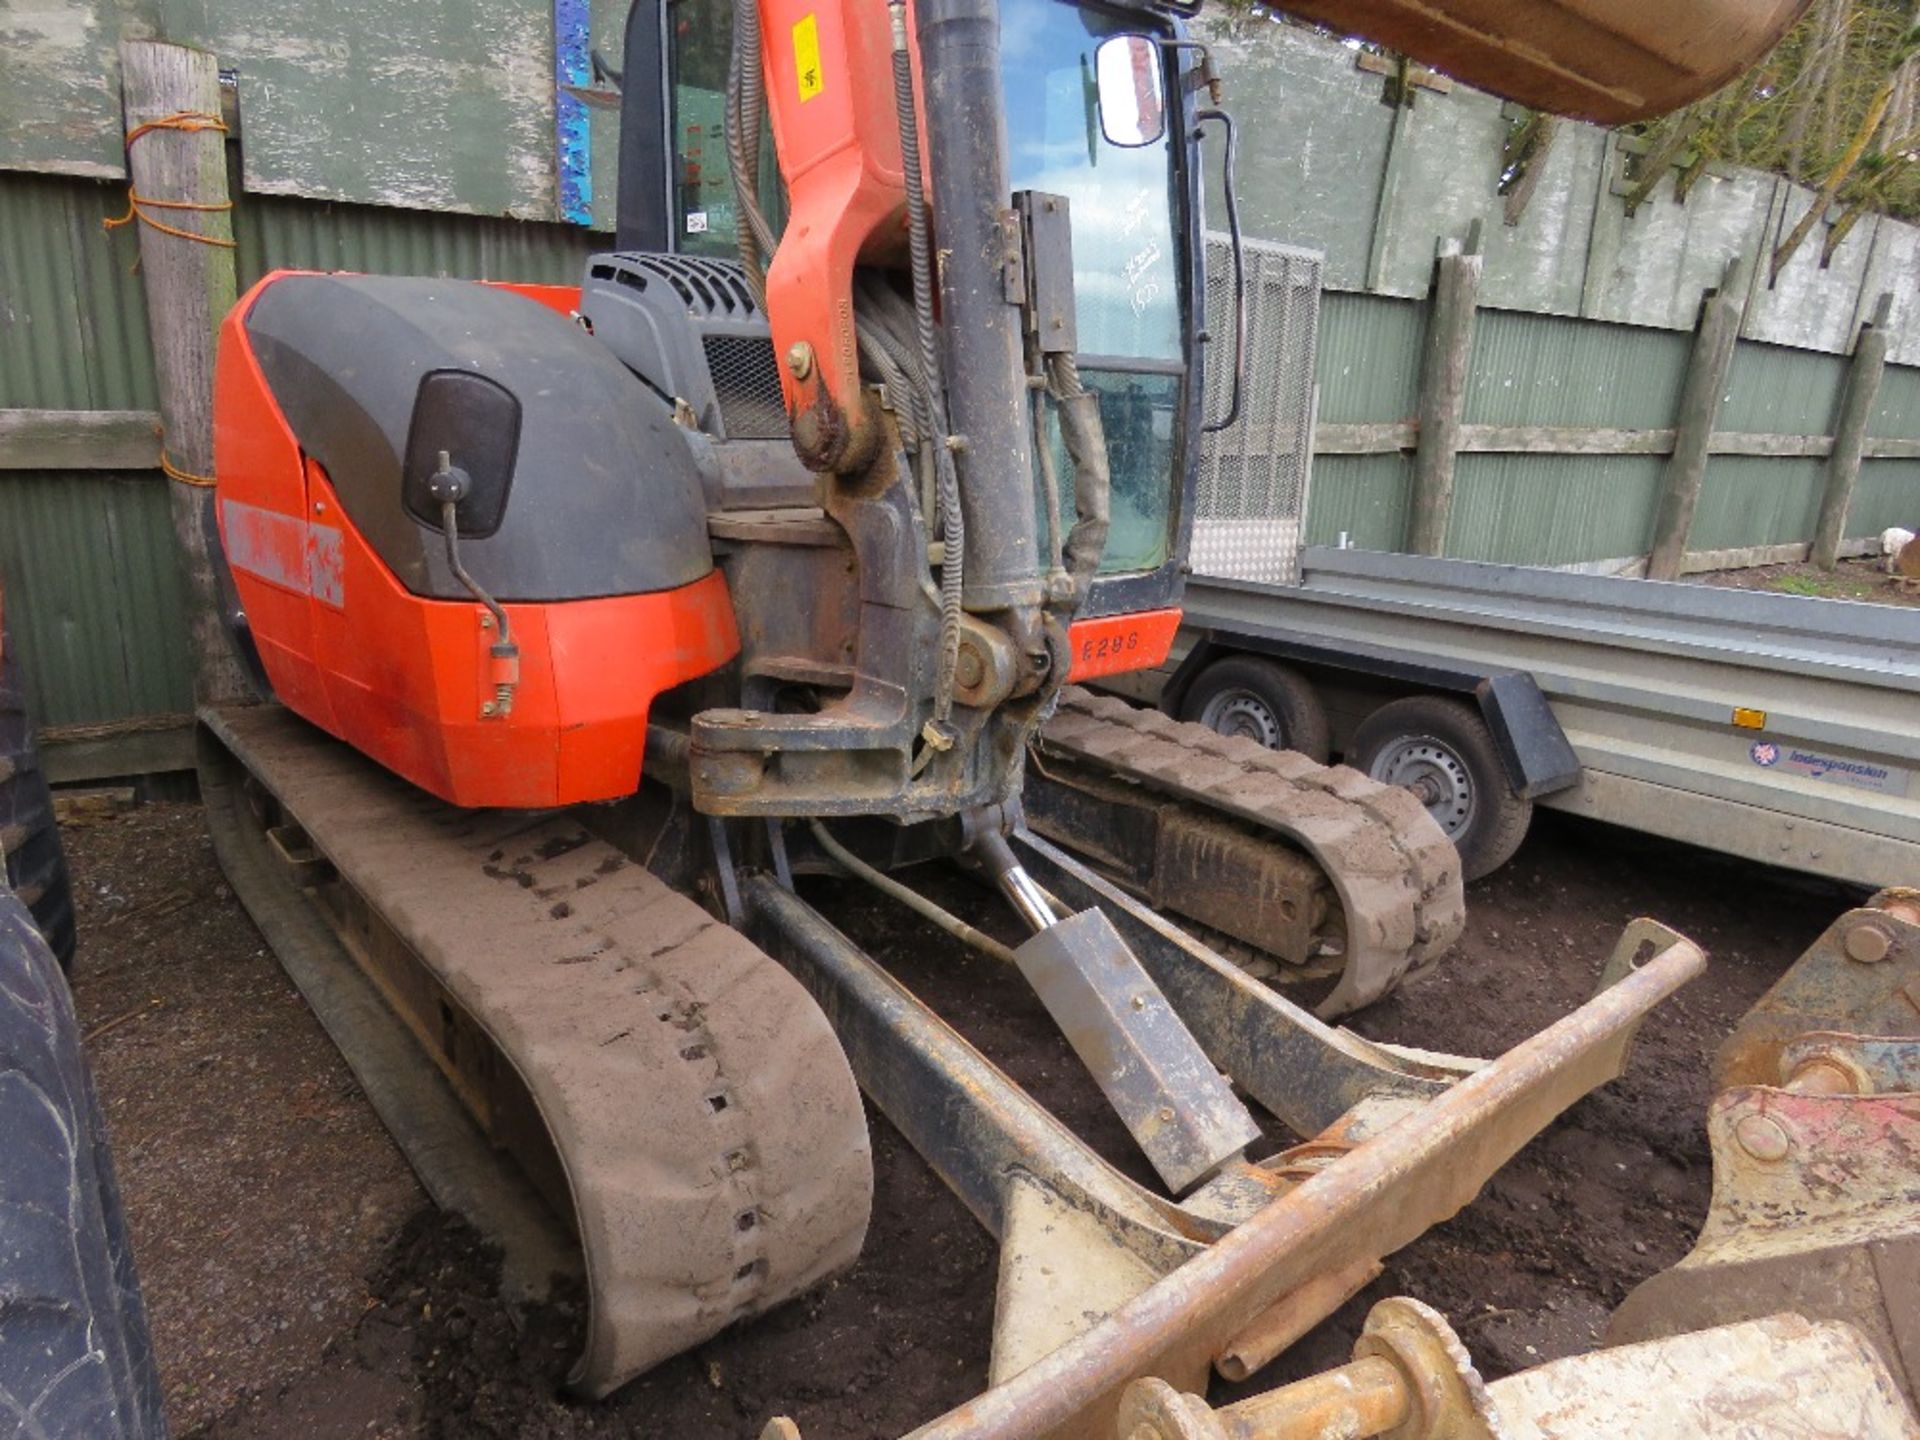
{"x":1779,"y":728}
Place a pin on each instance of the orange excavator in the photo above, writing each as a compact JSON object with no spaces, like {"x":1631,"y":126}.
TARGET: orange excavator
{"x":783,"y":544}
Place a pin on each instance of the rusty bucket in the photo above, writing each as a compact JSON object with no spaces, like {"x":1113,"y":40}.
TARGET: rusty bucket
{"x":1609,"y":61}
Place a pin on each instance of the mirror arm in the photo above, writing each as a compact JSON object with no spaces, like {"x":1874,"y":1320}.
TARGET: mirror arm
{"x":1205,"y":73}
{"x":1239,"y":271}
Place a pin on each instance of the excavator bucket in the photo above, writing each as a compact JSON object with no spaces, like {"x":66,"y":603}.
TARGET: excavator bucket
{"x":1815,"y":1138}
{"x":1606,"y":62}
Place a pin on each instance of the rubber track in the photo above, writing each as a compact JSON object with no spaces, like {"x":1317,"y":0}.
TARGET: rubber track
{"x":1394,"y":870}
{"x":710,"y":1128}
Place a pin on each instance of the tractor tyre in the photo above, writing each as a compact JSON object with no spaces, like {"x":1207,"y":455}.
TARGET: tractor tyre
{"x":76,"y":1361}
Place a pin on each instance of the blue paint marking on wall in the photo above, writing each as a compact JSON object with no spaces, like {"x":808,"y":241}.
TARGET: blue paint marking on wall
{"x":573,"y":135}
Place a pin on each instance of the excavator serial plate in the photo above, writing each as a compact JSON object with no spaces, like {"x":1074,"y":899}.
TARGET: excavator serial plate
{"x":690,"y":1110}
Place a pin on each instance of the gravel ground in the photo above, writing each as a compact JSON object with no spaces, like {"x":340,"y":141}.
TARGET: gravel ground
{"x":299,"y":1284}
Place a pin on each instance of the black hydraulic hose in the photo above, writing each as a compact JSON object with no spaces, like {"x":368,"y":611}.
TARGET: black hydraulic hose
{"x":953,"y":532}
{"x":1230,"y":189}
{"x":1086,"y":442}
{"x":753,"y":234}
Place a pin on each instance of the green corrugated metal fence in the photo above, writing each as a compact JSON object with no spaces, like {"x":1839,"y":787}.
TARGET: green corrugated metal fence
{"x":1544,"y":370}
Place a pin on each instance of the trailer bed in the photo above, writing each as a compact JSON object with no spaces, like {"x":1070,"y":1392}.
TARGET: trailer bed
{"x":1775,"y":727}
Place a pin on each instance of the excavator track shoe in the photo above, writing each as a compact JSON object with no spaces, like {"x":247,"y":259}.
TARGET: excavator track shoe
{"x":1395,"y":875}
{"x":709,"y":1137}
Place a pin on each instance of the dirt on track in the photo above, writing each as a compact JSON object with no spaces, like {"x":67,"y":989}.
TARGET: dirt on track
{"x":300,"y":1285}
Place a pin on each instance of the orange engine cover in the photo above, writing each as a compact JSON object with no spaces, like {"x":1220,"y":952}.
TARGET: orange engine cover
{"x":406,"y":678}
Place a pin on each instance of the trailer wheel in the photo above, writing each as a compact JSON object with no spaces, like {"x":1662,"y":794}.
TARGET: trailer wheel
{"x":1262,"y":700}
{"x":1440,"y":750}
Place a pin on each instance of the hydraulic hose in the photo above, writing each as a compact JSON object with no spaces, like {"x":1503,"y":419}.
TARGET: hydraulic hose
{"x":912,"y":899}
{"x":1086,"y":442}
{"x":744,"y":99}
{"x":953,"y":532}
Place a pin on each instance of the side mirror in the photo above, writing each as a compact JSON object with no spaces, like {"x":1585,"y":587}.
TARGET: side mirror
{"x":458,"y":413}
{"x":1133,"y":107}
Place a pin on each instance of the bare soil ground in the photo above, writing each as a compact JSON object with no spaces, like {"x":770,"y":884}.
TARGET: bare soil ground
{"x":1866,"y":580}
{"x":299,"y":1284}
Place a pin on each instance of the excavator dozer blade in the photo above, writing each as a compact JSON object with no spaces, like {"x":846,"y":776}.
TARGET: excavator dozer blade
{"x":671,"y":1093}
{"x":1609,"y":62}
{"x":1816,"y":1151}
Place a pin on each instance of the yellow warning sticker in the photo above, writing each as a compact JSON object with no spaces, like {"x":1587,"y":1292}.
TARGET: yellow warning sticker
{"x":806,"y":56}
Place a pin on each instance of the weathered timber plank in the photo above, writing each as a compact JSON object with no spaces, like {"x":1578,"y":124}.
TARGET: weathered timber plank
{"x":1563,"y":440}
{"x":1364,"y":439}
{"x":1864,"y":374}
{"x":1443,"y":389}
{"x":79,"y":440}
{"x":1700,"y":397}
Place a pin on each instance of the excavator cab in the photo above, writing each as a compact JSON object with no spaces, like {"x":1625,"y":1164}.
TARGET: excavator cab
{"x":1123,"y":154}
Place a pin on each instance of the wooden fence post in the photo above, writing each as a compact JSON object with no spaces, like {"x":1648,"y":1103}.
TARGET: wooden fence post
{"x":1443,"y":393}
{"x":190,"y":285}
{"x":1850,"y":434}
{"x":1706,"y":383}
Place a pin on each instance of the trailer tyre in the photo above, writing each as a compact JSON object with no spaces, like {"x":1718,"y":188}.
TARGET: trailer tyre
{"x":75,"y":1358}
{"x":1262,"y":700}
{"x":1440,"y":749}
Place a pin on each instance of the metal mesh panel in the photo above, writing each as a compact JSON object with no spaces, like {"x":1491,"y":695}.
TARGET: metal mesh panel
{"x":746,"y":378}
{"x":1252,"y":492}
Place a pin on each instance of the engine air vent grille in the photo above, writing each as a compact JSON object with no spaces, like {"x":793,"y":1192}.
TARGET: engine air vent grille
{"x":746,"y":378}
{"x":710,"y":289}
